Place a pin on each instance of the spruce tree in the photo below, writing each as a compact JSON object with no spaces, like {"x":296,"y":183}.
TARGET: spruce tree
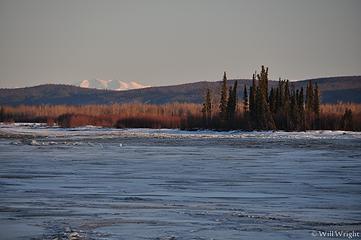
{"x":252,"y":97}
{"x":316,"y":107}
{"x":207,"y":109}
{"x":347,"y":121}
{"x":281,"y":86}
{"x":260,"y":112}
{"x":293,"y":110}
{"x":232,"y":103}
{"x":316,"y":101}
{"x":300,"y":100}
{"x":309,"y":96}
{"x":2,"y":114}
{"x":234,"y":98}
{"x":286,"y":105}
{"x":257,"y":119}
{"x":251,"y":101}
{"x":272,"y":101}
{"x":223,"y":101}
{"x":301,"y":110}
{"x":229,"y":104}
{"x":278,"y":97}
{"x":245,"y":100}
{"x":209,"y":104}
{"x":263,"y":81}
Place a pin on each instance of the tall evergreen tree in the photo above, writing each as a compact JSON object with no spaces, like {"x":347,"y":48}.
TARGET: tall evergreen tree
{"x":301,"y":110}
{"x":279,"y":94}
{"x":316,"y":106}
{"x":272,"y":100}
{"x":312,"y":106}
{"x":209,"y":104}
{"x":301,"y":99}
{"x":286,"y":105}
{"x":316,"y":101}
{"x":252,"y":97}
{"x":309,"y":96}
{"x":232,"y":101}
{"x":223,"y":101}
{"x":263,"y":81}
{"x":347,"y":121}
{"x":293,"y":110}
{"x":234,"y":97}
{"x":229,"y":104}
{"x":257,"y":118}
{"x":245,"y":100}
{"x":207,"y":109}
{"x":262,"y":119}
{"x":2,"y":114}
{"x":254,"y":83}
{"x":281,"y":86}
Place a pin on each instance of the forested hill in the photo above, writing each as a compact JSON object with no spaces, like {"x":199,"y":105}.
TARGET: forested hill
{"x":333,"y":89}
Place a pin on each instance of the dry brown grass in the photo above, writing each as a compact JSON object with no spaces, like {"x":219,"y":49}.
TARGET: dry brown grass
{"x":340,"y":108}
{"x":124,"y":110}
{"x":173,"y":115}
{"x":331,"y":115}
{"x":115,"y":115}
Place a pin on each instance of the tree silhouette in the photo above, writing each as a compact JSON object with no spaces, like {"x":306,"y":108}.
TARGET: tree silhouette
{"x":245,"y":100}
{"x":347,"y":121}
{"x":207,"y":109}
{"x":316,"y":106}
{"x":2,"y":114}
{"x":252,"y":97}
{"x":231,"y":103}
{"x":223,"y":100}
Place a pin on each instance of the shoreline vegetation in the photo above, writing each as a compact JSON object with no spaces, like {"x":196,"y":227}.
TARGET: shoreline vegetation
{"x":280,"y":108}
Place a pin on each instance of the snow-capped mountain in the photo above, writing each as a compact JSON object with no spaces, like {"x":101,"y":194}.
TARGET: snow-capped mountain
{"x":111,"y":84}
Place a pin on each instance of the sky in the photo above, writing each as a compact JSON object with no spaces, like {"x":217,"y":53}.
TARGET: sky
{"x":167,"y":42}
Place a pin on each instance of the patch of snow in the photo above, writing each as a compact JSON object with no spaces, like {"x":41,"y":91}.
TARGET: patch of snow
{"x":111,"y":84}
{"x":84,"y":84}
{"x":36,"y":129}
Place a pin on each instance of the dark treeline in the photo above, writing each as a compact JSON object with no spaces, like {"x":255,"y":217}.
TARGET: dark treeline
{"x":280,"y":108}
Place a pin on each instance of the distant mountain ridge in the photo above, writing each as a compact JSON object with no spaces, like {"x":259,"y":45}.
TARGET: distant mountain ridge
{"x":333,"y":89}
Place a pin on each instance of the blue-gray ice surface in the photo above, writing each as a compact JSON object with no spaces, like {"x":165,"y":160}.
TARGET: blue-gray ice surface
{"x":170,"y":184}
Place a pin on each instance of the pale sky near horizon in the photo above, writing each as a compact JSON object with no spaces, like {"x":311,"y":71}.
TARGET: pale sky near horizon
{"x":160,"y":42}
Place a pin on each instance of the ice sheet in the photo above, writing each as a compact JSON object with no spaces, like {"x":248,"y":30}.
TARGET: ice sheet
{"x":171,"y":184}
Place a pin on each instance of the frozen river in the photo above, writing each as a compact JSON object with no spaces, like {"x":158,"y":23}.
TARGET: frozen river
{"x":167,"y":184}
